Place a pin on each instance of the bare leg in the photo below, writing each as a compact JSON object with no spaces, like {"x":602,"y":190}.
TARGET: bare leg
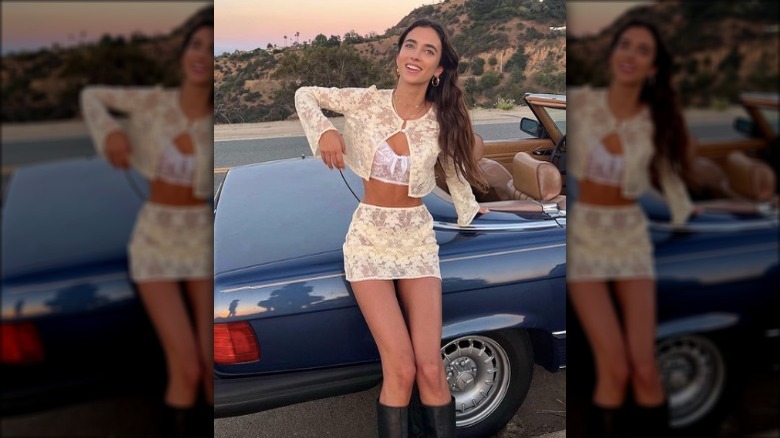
{"x":168,"y":314}
{"x":201,"y":295}
{"x":378,"y":302}
{"x":596,"y":313}
{"x":421,"y":299}
{"x":637,"y":303}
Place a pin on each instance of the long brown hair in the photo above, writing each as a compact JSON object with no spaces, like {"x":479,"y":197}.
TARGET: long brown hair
{"x":456,"y":136}
{"x":671,"y":136}
{"x":199,"y":24}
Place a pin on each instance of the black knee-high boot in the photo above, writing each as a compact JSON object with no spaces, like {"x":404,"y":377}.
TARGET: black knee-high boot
{"x":439,"y":421}
{"x":604,"y":422}
{"x":392,"y":422}
{"x":651,"y":421}
{"x":416,"y":429}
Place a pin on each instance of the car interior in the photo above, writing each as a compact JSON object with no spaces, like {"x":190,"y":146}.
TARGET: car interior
{"x":517,"y":181}
{"x":737,"y":175}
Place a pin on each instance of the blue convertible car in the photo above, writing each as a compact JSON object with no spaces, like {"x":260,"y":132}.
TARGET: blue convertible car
{"x":72,"y":326}
{"x":287,"y":328}
{"x":717,"y":276}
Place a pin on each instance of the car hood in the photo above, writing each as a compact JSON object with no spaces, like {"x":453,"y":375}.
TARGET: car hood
{"x":66,"y":214}
{"x":280,"y":218}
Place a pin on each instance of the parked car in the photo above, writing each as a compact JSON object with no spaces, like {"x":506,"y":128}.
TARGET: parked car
{"x":72,"y":326}
{"x":717,"y":275}
{"x":287,"y":328}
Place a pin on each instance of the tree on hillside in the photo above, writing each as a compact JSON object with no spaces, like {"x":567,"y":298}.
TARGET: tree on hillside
{"x":316,"y":65}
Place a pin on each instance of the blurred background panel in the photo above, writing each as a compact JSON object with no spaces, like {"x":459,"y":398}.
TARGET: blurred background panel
{"x":75,"y":339}
{"x":717,"y":278}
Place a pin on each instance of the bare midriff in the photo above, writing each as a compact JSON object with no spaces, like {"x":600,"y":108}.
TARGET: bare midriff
{"x":595,"y":193}
{"x":384,"y":194}
{"x":161,"y":192}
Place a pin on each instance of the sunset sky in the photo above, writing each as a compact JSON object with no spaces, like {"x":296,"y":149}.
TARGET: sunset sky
{"x":32,"y":25}
{"x":587,"y":18}
{"x":239,"y":24}
{"x":249,"y":24}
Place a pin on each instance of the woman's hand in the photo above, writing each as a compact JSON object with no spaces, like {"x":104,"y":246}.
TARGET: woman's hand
{"x":118,"y":149}
{"x":332,"y":149}
{"x":483,"y":210}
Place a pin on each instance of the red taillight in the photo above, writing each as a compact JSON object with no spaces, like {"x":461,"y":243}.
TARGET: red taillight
{"x":235,"y":342}
{"x":20,"y":343}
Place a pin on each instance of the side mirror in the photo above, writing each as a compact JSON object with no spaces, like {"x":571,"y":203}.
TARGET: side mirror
{"x":746,"y":127}
{"x":531,"y":126}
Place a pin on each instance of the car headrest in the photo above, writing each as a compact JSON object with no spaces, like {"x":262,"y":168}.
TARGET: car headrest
{"x":750,"y":177}
{"x":539,"y":179}
{"x":479,"y":147}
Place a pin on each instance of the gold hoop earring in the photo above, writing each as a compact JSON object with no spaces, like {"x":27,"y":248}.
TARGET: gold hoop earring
{"x":435,"y":81}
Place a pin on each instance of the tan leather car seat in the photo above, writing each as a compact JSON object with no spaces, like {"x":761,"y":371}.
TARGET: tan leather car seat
{"x":494,"y":173}
{"x":709,"y":180}
{"x":534,"y":179}
{"x":749,"y":177}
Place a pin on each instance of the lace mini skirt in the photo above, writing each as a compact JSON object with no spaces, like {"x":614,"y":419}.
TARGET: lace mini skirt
{"x":608,"y":243}
{"x":386,"y":243}
{"x":172,"y":243}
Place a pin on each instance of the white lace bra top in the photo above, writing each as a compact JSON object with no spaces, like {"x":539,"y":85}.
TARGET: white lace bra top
{"x":605,"y":167}
{"x":176,"y":167}
{"x":390,"y":167}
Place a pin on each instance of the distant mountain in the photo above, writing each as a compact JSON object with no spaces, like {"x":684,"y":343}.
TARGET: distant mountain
{"x":45,"y":84}
{"x":507,"y":47}
{"x":720,"y":48}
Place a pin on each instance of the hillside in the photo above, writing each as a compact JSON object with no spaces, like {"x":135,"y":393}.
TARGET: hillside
{"x":507,"y":47}
{"x":44,"y":85}
{"x":719,"y":49}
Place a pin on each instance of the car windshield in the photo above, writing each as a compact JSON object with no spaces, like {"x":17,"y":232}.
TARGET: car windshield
{"x":559,"y":117}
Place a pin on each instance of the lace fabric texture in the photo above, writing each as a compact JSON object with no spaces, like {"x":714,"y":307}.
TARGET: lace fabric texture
{"x":391,"y":243}
{"x":389,"y":166}
{"x":369,"y":121}
{"x":605,"y":167}
{"x":176,"y":167}
{"x":591,"y":119}
{"x":172,"y":243}
{"x":606,"y":242}
{"x":156,"y":118}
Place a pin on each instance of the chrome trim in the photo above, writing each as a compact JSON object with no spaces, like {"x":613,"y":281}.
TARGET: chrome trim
{"x":514,"y":251}
{"x":534,"y":226}
{"x":61,"y":284}
{"x":717,"y":253}
{"x":560,"y":334}
{"x":717,"y":228}
{"x":322,"y":277}
{"x":280,"y":283}
{"x":561,"y":367}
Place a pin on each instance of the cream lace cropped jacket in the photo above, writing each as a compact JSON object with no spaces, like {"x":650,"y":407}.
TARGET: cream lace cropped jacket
{"x":591,"y":120}
{"x":371,"y":120}
{"x":156,"y":119}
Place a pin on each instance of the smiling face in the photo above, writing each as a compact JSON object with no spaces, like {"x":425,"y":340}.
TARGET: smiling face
{"x":419,"y":56}
{"x":632,"y":60}
{"x":197,"y":61}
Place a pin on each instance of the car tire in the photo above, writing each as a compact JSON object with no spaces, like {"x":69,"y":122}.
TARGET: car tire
{"x":489,"y":375}
{"x":694,"y":374}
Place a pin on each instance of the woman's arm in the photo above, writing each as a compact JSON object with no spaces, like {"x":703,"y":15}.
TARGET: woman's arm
{"x":309,"y":103}
{"x":465,"y":203}
{"x":676,"y":194}
{"x":104,"y":129}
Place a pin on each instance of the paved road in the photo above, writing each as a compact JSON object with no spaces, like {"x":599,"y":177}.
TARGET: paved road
{"x":354,"y":416}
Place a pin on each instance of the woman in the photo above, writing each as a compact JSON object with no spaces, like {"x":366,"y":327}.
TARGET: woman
{"x":627,"y":136}
{"x":392,"y":140}
{"x":172,"y":240}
